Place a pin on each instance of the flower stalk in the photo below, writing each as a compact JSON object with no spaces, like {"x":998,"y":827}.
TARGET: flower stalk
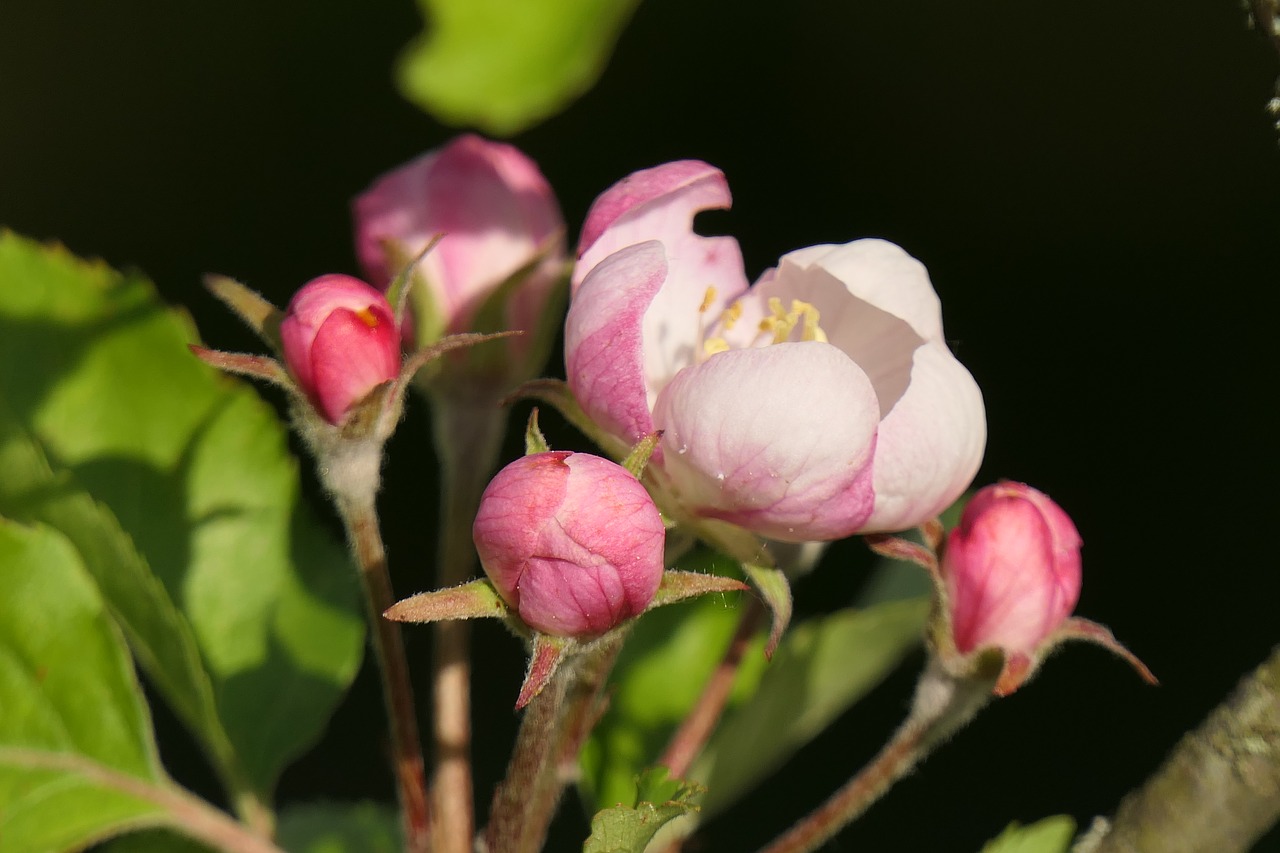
{"x":361,"y":522}
{"x":468,"y":437}
{"x":943,"y":704}
{"x":555,"y":724}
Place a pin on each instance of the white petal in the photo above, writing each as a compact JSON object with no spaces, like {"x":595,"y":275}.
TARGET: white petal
{"x":881,"y":273}
{"x":930,"y":444}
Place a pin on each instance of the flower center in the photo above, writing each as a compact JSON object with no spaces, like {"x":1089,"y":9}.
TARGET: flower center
{"x":775,"y":328}
{"x":367,"y":316}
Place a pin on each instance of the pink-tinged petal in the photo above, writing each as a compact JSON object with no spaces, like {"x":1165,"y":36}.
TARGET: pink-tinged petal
{"x":1012,"y":570}
{"x":931,"y":442}
{"x":349,"y":358}
{"x":778,"y":439}
{"x":882,"y":274}
{"x":603,"y":341}
{"x":659,"y":204}
{"x":573,"y":542}
{"x":493,"y":206}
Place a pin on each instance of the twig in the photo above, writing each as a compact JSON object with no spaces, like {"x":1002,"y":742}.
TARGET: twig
{"x":1219,"y":790}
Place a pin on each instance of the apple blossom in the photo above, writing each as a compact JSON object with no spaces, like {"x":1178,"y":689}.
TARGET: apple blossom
{"x":820,"y":402}
{"x":1011,"y":569}
{"x":340,"y":341}
{"x":497,"y":216}
{"x":572,"y":542}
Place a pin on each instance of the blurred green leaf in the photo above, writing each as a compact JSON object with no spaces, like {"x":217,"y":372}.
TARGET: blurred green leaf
{"x":823,"y":667}
{"x":195,"y":468}
{"x":1051,"y":835}
{"x":629,"y":829}
{"x":504,"y":66}
{"x":73,"y":723}
{"x":154,"y":841}
{"x":339,"y":828}
{"x":661,"y":671}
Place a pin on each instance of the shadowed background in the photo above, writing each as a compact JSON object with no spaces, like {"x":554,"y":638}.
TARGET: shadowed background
{"x":1095,"y":188}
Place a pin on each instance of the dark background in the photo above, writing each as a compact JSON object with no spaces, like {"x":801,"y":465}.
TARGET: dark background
{"x":1094,"y":186}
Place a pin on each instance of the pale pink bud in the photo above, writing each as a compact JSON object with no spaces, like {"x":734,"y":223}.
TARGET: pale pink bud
{"x":494,"y":211}
{"x":340,"y":342}
{"x":571,"y":541}
{"x":1012,"y":571}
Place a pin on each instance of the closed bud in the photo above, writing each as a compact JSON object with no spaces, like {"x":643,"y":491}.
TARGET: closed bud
{"x":340,"y":342}
{"x":1012,"y":571}
{"x":571,"y":541}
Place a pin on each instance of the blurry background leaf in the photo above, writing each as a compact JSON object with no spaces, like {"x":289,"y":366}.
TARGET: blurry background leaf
{"x":504,"y":66}
{"x":71,"y":711}
{"x":1051,"y":835}
{"x":339,"y":828}
{"x":823,"y":666}
{"x":194,"y":467}
{"x":659,"y":674}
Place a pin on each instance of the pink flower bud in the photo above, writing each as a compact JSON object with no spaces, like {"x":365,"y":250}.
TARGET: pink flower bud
{"x":1012,"y":571}
{"x":572,"y":542}
{"x":496,"y":212}
{"x":340,"y":342}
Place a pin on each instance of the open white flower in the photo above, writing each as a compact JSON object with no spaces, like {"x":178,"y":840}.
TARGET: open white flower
{"x":820,"y":402}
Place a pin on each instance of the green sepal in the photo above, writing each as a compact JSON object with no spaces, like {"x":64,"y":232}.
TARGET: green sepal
{"x":476,"y":599}
{"x":556,"y":394}
{"x":678,"y":586}
{"x":773,"y":587}
{"x":250,"y":306}
{"x":534,"y":440}
{"x":638,"y":458}
{"x":402,"y":285}
{"x":659,"y":800}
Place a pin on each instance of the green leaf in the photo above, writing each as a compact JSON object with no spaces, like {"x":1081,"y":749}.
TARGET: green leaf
{"x":505,"y":66}
{"x":658,"y":801}
{"x":661,"y":671}
{"x":195,"y":468}
{"x":157,"y":631}
{"x":72,"y":717}
{"x":823,"y":667}
{"x":1051,"y":835}
{"x":339,"y":828}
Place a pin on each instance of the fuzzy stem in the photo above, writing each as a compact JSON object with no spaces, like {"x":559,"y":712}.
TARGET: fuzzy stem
{"x":468,"y":438}
{"x":1218,"y":791}
{"x":942,"y":705}
{"x":361,"y":521}
{"x":551,"y":733}
{"x":701,"y":721}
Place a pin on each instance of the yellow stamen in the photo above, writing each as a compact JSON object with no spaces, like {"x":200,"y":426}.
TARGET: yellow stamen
{"x":714,"y":346}
{"x":369,"y":318}
{"x":731,"y":316}
{"x":708,"y":300}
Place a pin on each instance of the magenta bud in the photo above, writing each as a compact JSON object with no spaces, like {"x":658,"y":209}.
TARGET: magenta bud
{"x":571,"y":541}
{"x":340,"y":342}
{"x":1012,"y":572}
